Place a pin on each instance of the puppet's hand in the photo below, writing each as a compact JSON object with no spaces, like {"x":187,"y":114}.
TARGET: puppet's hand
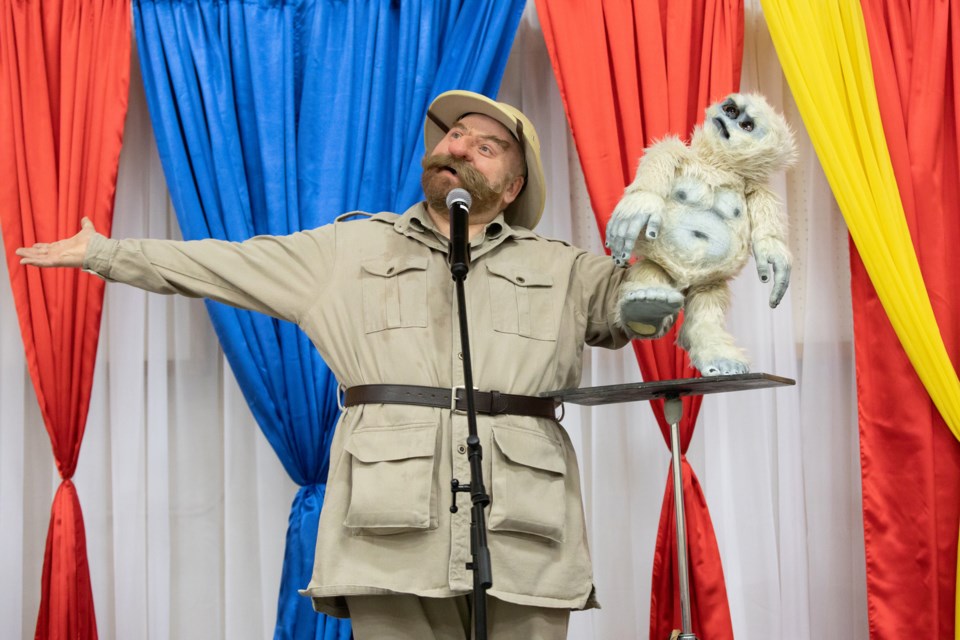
{"x":633,"y":213}
{"x":771,"y":254}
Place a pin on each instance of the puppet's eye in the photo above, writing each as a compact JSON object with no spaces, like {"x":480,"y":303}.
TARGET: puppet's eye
{"x":731,"y":110}
{"x":747,"y":125}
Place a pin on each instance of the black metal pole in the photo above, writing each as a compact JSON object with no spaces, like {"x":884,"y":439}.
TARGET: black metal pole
{"x":480,"y":551}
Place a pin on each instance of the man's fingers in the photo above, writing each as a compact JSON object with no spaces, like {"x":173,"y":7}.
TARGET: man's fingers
{"x":34,"y":258}
{"x":43,"y":255}
{"x":86,"y":223}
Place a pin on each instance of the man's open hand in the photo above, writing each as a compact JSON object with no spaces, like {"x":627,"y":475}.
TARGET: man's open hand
{"x":68,"y":252}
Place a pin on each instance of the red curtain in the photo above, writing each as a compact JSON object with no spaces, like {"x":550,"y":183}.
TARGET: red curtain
{"x":64,"y":73}
{"x":910,"y":460}
{"x":630,"y":73}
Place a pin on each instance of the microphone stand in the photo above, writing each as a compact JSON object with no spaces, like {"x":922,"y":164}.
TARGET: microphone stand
{"x":482,"y":575}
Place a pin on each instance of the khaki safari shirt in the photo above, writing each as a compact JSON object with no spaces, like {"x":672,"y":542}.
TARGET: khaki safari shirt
{"x":376,"y":297}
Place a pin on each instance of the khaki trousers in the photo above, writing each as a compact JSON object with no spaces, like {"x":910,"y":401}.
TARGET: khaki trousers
{"x":409,"y":617}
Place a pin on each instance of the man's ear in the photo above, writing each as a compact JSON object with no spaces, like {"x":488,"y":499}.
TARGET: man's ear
{"x":513,"y":190}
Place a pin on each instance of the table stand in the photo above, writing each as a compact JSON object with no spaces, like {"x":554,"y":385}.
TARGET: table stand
{"x":670,"y":391}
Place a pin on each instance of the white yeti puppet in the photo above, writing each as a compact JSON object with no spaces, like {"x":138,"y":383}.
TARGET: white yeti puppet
{"x":701,"y":207}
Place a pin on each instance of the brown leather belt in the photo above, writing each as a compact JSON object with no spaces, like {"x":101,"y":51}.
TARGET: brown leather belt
{"x":487,"y":402}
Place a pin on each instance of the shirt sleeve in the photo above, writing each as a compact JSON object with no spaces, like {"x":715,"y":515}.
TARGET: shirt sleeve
{"x":597,"y":281}
{"x":277,"y":275}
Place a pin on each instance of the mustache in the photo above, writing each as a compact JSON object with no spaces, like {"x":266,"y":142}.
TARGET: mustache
{"x":472,"y":180}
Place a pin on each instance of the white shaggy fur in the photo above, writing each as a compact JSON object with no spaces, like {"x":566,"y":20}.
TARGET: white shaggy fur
{"x":691,"y":216}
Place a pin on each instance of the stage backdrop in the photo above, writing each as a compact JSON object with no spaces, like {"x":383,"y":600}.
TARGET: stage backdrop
{"x":185,"y":502}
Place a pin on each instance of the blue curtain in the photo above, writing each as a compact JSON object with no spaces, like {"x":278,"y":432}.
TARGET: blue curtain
{"x":273,"y":116}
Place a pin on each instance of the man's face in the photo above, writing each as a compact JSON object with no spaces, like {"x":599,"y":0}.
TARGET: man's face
{"x":480,"y":155}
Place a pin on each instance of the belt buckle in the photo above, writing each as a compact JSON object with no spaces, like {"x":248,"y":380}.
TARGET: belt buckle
{"x":453,"y":398}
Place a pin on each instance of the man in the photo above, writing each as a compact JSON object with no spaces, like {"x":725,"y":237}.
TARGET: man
{"x":376,"y":298}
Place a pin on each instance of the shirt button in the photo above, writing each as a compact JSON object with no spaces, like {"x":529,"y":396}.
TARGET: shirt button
{"x":461,"y":449}
{"x":460,"y":355}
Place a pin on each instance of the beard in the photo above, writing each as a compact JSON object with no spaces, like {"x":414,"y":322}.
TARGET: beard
{"x":437,"y":183}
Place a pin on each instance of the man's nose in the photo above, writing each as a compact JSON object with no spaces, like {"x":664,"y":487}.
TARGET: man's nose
{"x":458,"y":147}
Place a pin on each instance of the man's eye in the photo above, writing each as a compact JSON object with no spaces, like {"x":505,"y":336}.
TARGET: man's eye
{"x":747,"y":125}
{"x":485,"y":148}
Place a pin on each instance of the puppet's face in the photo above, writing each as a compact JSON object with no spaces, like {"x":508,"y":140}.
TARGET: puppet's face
{"x":745,"y":133}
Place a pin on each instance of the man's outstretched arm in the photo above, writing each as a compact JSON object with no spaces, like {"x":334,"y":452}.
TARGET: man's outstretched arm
{"x":277,"y":275}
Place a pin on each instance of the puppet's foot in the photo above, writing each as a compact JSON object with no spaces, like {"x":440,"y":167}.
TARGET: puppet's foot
{"x":710,"y":347}
{"x":722,"y":367}
{"x":650,"y":311}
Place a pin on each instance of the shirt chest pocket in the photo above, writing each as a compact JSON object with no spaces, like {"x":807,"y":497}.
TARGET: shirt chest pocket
{"x":394,"y":293}
{"x":523,"y":302}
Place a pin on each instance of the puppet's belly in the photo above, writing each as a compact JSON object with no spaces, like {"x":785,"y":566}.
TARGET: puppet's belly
{"x":696,"y":238}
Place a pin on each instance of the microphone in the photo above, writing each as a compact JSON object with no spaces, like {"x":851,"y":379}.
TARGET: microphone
{"x":458,"y":203}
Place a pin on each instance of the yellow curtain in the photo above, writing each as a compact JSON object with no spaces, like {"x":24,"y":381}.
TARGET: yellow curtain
{"x":827,"y":64}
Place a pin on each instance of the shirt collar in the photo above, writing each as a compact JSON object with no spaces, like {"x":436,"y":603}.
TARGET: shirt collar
{"x":417,"y":224}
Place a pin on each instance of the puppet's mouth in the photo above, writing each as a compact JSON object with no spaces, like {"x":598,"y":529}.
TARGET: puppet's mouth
{"x":722,"y":127}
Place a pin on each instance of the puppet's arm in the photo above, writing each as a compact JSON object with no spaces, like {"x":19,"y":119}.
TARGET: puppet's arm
{"x":768,"y":228}
{"x":643,"y":200}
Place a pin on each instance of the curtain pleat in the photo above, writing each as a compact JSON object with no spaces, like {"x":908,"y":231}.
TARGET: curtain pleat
{"x":629,"y":75}
{"x":64,"y":74}
{"x":876,"y":92}
{"x":276,"y":117}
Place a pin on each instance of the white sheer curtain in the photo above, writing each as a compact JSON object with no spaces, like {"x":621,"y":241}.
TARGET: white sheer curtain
{"x":185,"y":504}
